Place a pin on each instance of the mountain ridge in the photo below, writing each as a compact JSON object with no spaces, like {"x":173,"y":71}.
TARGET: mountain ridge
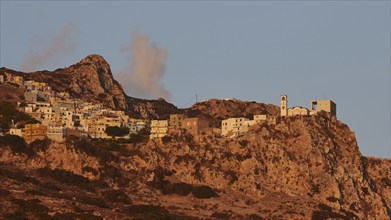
{"x":91,"y":79}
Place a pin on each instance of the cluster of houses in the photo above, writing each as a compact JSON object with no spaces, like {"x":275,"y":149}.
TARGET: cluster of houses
{"x":59,"y":116}
{"x":235,"y":127}
{"x":178,"y":123}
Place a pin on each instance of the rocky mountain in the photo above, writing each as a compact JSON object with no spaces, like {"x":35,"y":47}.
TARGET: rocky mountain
{"x":301,"y":168}
{"x":307,"y":167}
{"x":91,"y":79}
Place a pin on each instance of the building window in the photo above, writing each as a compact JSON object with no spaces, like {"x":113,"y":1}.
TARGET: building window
{"x":314,"y":105}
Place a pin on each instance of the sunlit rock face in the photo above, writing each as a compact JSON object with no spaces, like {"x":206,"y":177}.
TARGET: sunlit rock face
{"x":300,"y":168}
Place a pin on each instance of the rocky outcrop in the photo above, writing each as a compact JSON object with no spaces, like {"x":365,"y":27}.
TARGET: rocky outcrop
{"x":379,"y":170}
{"x":91,"y":79}
{"x":313,"y":157}
{"x":216,"y":110}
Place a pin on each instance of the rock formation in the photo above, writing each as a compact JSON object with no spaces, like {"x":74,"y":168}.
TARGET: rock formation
{"x":300,"y":168}
{"x":304,"y":167}
{"x":91,"y":79}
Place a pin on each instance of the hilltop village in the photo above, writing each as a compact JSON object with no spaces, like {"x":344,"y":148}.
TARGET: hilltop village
{"x":59,"y":115}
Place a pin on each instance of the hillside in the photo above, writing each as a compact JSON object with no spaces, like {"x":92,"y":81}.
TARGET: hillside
{"x":301,"y":168}
{"x":10,"y":93}
{"x":91,"y":79}
{"x":306,"y":167}
{"x":216,"y":110}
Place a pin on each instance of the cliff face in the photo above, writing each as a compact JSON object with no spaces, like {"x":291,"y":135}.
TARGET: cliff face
{"x":300,"y":168}
{"x":379,"y":170}
{"x":91,"y":79}
{"x":314,"y":158}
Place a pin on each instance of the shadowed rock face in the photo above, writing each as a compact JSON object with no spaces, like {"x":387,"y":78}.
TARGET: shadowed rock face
{"x":301,"y":168}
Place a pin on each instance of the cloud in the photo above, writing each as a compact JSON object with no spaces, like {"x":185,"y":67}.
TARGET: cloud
{"x":145,"y":69}
{"x":56,"y":47}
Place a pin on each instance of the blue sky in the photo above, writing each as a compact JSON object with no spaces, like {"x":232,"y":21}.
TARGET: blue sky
{"x":250,"y":50}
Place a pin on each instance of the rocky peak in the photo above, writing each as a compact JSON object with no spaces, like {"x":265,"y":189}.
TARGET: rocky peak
{"x":101,"y":66}
{"x":92,"y":78}
{"x":95,"y":59}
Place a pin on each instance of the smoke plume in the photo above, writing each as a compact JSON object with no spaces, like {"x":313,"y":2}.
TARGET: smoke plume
{"x":59,"y":45}
{"x":145,"y":70}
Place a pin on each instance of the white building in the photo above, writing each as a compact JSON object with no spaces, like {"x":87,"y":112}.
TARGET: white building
{"x":297,"y":110}
{"x":56,"y":132}
{"x":16,"y":131}
{"x":135,"y":127}
{"x":234,"y":127}
{"x":285,"y":111}
{"x":260,"y":118}
{"x":159,"y":128}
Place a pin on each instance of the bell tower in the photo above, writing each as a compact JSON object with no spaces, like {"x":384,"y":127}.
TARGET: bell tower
{"x":284,"y":105}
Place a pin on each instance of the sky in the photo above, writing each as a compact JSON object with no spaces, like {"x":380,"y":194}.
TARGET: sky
{"x":249,"y":50}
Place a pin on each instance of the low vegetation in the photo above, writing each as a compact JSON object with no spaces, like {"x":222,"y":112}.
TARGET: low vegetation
{"x":115,"y":131}
{"x":10,"y":115}
{"x":181,"y":189}
{"x":16,"y":144}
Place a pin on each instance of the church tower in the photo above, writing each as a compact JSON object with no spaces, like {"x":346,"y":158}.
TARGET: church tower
{"x":284,"y":105}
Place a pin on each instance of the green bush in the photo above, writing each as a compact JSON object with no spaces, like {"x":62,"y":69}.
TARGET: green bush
{"x":203,"y":192}
{"x":115,"y":131}
{"x":166,"y":139}
{"x":40,"y":145}
{"x":182,"y":189}
{"x":243,"y":143}
{"x":136,"y":138}
{"x":8,"y":113}
{"x":16,"y":144}
{"x":96,"y":148}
